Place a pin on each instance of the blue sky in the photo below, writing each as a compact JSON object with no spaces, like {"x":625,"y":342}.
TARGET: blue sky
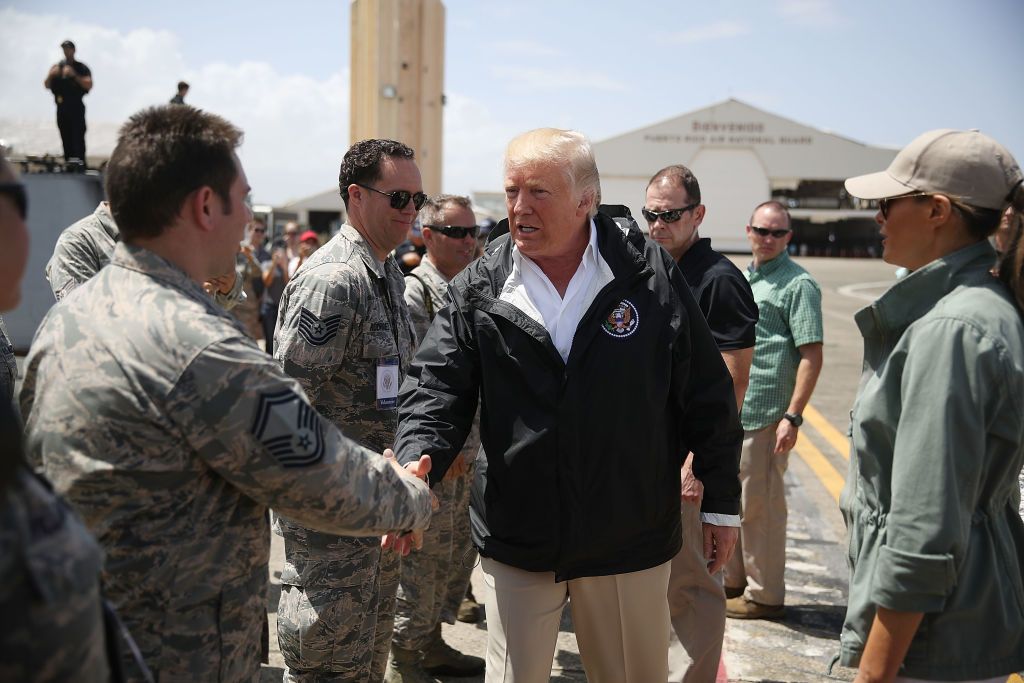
{"x":877,"y":71}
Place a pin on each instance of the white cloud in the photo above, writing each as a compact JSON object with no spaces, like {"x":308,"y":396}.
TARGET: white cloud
{"x":525,"y":79}
{"x":820,"y":13}
{"x":720,"y":30}
{"x":296,"y":127}
{"x":474,"y":142}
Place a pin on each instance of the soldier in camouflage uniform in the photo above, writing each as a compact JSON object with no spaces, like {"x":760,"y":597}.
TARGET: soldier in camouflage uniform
{"x":85,"y":246}
{"x":171,"y":432}
{"x":437,"y":576}
{"x":344,"y":333}
{"x":49,"y":564}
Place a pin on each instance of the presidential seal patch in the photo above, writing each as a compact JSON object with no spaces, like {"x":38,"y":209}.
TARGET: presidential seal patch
{"x":289,"y":428}
{"x":315,"y":330}
{"x":622,"y":321}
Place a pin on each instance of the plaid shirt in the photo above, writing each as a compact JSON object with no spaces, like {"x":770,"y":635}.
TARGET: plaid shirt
{"x":789,"y":303}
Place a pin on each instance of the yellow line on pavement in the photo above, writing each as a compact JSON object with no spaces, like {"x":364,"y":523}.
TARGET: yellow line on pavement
{"x":820,"y":465}
{"x":834,"y":437}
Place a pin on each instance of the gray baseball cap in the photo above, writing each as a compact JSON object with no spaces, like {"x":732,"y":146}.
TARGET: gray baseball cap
{"x":964,"y":164}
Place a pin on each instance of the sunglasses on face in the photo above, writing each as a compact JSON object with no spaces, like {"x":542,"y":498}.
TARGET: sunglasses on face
{"x":259,"y":230}
{"x":670,"y":216}
{"x":16,"y":191}
{"x":457,"y":232}
{"x":764,"y":232}
{"x":886,"y":203}
{"x":400,"y":198}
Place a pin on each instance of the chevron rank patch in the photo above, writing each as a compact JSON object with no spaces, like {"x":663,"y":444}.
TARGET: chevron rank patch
{"x":289,"y":428}
{"x":315,"y":330}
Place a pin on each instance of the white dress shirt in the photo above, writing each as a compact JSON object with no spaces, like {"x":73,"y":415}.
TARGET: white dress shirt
{"x":529,"y":289}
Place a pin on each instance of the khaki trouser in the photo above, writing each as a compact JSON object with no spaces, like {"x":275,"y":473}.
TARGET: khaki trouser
{"x":621,"y":624}
{"x":759,"y":562}
{"x":696,"y":604}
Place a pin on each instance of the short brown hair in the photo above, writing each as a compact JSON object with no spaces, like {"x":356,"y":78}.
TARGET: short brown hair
{"x":361,"y":163}
{"x":683,"y":177}
{"x":164,"y":154}
{"x":774,"y":205}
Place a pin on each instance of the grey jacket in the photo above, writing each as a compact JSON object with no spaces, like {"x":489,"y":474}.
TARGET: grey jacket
{"x":937,"y":443}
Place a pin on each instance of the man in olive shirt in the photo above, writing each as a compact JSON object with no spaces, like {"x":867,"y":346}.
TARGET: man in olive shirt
{"x":787,"y":361}
{"x":674,"y":212}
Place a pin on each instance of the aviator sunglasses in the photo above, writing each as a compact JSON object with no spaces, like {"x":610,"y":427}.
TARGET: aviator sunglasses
{"x":886,"y":203}
{"x":764,"y":232}
{"x":16,"y":191}
{"x":399,"y":198}
{"x":670,"y":216}
{"x":457,"y":232}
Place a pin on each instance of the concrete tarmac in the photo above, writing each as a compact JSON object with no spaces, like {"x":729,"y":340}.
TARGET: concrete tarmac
{"x":799,"y":647}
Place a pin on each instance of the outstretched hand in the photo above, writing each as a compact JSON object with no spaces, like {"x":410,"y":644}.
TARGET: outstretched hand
{"x":403,"y":543}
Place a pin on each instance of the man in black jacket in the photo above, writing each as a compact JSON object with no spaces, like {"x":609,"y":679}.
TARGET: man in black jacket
{"x":70,"y":80}
{"x":597,"y":375}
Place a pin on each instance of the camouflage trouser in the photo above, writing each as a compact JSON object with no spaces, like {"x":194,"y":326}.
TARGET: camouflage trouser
{"x":428,"y":575}
{"x":464,"y":555}
{"x":336,"y":625}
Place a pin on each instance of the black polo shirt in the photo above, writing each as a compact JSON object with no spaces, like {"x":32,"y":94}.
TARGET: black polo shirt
{"x":723,"y":295}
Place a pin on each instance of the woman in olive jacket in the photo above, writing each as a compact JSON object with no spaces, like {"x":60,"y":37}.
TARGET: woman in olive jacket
{"x":936,"y":544}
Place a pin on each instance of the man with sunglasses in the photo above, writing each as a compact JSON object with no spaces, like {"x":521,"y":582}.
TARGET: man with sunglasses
{"x":434,"y":580}
{"x":345,"y":334}
{"x":673,"y":210}
{"x":787,"y":361}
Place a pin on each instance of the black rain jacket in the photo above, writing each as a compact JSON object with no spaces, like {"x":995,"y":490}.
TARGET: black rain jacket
{"x":582,"y":469}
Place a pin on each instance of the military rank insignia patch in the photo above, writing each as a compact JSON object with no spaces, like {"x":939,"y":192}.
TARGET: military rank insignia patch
{"x":622,"y":321}
{"x":315,"y":330}
{"x":289,"y":428}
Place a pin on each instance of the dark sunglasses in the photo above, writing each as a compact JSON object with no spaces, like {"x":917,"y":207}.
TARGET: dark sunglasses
{"x":16,"y":191}
{"x":400,"y":198}
{"x":764,"y":232}
{"x":670,"y":216}
{"x":456,"y":232}
{"x":886,"y":203}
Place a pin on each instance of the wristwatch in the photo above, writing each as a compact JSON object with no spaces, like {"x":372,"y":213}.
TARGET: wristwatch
{"x":794,"y":419}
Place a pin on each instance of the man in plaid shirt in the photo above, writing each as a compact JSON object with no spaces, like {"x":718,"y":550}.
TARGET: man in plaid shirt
{"x":787,"y":361}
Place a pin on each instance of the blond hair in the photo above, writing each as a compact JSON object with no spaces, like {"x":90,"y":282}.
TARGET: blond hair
{"x":568,"y":148}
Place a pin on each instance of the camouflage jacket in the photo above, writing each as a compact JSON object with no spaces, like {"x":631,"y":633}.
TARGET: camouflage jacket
{"x":86,"y":246}
{"x":426,"y":292}
{"x":171,"y":433}
{"x":345,"y":334}
{"x":8,"y":366}
{"x":49,"y":589}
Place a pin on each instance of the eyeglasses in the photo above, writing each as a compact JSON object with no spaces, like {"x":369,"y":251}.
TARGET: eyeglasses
{"x":16,"y":191}
{"x":670,"y":216}
{"x":260,"y":230}
{"x":886,"y":203}
{"x":764,"y":232}
{"x":456,"y":232}
{"x":399,"y":198}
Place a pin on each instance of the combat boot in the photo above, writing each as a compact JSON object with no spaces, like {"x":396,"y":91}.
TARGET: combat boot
{"x":405,"y":666}
{"x":470,"y":611}
{"x":442,"y":659}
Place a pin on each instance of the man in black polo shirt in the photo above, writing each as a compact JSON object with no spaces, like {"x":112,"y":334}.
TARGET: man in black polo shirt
{"x":69,"y":80}
{"x":673,"y":211}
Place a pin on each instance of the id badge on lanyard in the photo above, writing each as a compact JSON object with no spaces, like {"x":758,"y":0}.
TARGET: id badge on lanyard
{"x":387,"y":383}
